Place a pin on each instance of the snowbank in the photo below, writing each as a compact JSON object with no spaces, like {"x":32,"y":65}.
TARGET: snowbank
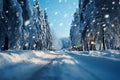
{"x":60,"y":65}
{"x":99,"y":65}
{"x":19,"y":65}
{"x":111,"y":54}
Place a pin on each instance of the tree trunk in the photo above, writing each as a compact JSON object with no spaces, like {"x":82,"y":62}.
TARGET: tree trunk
{"x":103,"y":40}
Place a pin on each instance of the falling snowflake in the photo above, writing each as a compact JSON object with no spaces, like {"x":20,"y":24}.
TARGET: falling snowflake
{"x":17,"y":21}
{"x":6,"y":21}
{"x":106,"y":8}
{"x":7,"y":11}
{"x":92,"y":12}
{"x":22,"y":2}
{"x":112,"y":25}
{"x":66,"y":0}
{"x":93,"y":21}
{"x":61,"y":24}
{"x":91,"y":1}
{"x":30,"y":28}
{"x":87,"y":30}
{"x":105,"y":28}
{"x":56,"y":13}
{"x":111,"y":37}
{"x":17,"y":14}
{"x":98,"y":23}
{"x":113,"y":8}
{"x":51,"y":24}
{"x":27,"y":22}
{"x":103,"y":8}
{"x":65,"y":15}
{"x":27,"y":44}
{"x":46,"y":8}
{"x":75,"y":25}
{"x":9,"y":28}
{"x":104,"y":25}
{"x":2,"y":17}
{"x":72,"y":14}
{"x":106,"y":16}
{"x":97,"y":12}
{"x":60,"y":1}
{"x":36,"y":6}
{"x":84,"y":22}
{"x":33,"y":37}
{"x":113,"y":2}
{"x":34,"y":45}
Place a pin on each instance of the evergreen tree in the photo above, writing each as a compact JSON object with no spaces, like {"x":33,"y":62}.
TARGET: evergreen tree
{"x":22,"y":29}
{"x":38,"y":22}
{"x":48,"y":32}
{"x":100,"y":18}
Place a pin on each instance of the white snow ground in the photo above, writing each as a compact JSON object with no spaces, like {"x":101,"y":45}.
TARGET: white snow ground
{"x":60,"y":65}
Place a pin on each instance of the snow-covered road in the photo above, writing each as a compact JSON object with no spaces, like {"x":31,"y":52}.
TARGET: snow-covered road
{"x":64,"y":65}
{"x":70,"y":66}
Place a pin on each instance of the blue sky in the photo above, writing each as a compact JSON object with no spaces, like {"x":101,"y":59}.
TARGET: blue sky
{"x":60,"y":15}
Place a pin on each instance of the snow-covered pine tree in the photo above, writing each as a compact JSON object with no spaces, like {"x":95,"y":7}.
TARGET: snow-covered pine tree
{"x":29,"y":32}
{"x":38,"y":22}
{"x":12,"y":24}
{"x":2,"y":25}
{"x":101,"y":18}
{"x":41,"y":22}
{"x":20,"y":28}
{"x":75,"y":34}
{"x":48,"y":33}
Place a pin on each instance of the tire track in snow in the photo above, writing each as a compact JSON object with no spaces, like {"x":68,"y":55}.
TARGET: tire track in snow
{"x":43,"y":73}
{"x":88,"y":74}
{"x":64,"y":67}
{"x":99,"y":67}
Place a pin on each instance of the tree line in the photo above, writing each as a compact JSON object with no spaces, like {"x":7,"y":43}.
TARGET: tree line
{"x":98,"y":20}
{"x":23,"y":26}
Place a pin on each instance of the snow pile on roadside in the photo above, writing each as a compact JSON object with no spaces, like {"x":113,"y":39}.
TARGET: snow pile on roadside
{"x":106,"y":53}
{"x":15,"y":64}
{"x":63,"y":65}
{"x":98,"y":67}
{"x":13,"y":57}
{"x":112,"y":54}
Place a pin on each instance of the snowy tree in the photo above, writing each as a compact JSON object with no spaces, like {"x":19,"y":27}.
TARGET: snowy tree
{"x":10,"y":25}
{"x":48,"y":32}
{"x":65,"y":43}
{"x":29,"y":33}
{"x":38,"y":22}
{"x":101,"y":18}
{"x":23,"y":27}
{"x":41,"y":22}
{"x":75,"y":34}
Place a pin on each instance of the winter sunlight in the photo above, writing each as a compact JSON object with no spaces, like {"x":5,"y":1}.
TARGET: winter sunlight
{"x":59,"y":39}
